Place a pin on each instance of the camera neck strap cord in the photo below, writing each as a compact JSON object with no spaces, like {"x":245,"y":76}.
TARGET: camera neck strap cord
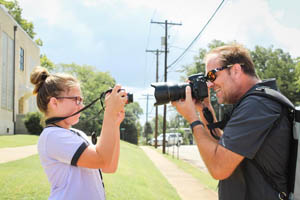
{"x":54,"y":120}
{"x":209,"y":118}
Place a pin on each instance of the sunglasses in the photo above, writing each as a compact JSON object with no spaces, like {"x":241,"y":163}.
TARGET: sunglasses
{"x":78,"y":99}
{"x":211,"y":75}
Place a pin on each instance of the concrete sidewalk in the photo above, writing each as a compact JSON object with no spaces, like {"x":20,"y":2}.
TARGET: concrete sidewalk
{"x":16,"y":153}
{"x":186,"y":186}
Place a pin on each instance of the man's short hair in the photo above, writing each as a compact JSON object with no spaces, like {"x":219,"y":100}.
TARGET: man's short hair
{"x":235,"y":53}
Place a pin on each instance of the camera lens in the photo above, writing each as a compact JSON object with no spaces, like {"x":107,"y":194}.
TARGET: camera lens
{"x":129,"y":98}
{"x":166,"y":92}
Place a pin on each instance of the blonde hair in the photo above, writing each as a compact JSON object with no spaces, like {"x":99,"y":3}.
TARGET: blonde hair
{"x":235,"y":53}
{"x":47,"y":85}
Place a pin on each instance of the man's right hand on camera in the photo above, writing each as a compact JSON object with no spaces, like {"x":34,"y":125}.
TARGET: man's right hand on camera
{"x":187,"y":107}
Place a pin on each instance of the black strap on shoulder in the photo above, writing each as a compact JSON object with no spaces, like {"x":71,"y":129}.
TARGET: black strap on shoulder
{"x":286,"y":104}
{"x":281,"y":194}
{"x":54,"y":120}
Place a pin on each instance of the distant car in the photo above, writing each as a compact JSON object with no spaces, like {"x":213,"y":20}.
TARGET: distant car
{"x":171,"y":139}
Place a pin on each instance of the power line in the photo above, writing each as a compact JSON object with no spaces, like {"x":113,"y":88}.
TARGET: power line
{"x":183,"y":53}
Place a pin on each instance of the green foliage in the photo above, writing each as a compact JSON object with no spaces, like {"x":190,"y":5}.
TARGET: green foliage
{"x":45,"y":62}
{"x":130,"y":127}
{"x":39,"y":42}
{"x":16,"y":12}
{"x":269,"y":63}
{"x":93,"y":83}
{"x":32,"y":122}
{"x":275,"y":63}
{"x":199,"y":65}
{"x":160,"y":123}
{"x":147,"y":130}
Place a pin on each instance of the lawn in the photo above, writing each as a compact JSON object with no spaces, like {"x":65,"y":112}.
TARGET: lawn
{"x":136,"y":179}
{"x":17,"y":140}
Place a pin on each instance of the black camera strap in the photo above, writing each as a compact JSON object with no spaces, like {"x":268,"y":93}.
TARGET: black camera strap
{"x":54,"y":120}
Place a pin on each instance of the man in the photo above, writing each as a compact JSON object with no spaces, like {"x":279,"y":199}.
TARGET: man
{"x":250,"y":137}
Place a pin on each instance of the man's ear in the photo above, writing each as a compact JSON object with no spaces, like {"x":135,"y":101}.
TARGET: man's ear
{"x":237,"y":70}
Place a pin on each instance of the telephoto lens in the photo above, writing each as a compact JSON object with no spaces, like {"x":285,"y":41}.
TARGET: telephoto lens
{"x":166,"y":92}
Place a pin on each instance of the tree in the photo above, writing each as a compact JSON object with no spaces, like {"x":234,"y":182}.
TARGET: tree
{"x":130,"y":127}
{"x":269,"y":63}
{"x":93,"y":83}
{"x":159,"y":124}
{"x":176,"y":120}
{"x":45,"y":62}
{"x":16,"y":12}
{"x":198,"y":66}
{"x":275,"y":63}
{"x":147,"y":130}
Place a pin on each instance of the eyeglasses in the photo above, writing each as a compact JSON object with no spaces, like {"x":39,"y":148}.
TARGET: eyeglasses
{"x":78,"y":99}
{"x":211,"y":75}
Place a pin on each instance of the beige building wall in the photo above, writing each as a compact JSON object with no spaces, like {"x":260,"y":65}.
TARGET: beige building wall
{"x":23,"y":98}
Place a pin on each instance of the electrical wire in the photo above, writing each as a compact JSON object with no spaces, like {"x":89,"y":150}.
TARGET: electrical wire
{"x":190,"y":45}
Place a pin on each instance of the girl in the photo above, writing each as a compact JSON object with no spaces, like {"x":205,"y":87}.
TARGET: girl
{"x":70,"y":161}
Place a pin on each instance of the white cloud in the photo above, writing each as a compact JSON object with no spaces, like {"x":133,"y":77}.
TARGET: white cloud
{"x":58,"y":15}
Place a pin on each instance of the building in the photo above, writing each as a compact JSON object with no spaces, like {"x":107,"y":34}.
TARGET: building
{"x":19,"y":54}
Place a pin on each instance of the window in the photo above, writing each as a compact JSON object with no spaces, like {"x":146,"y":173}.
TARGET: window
{"x":21,"y":59}
{"x":7,"y":72}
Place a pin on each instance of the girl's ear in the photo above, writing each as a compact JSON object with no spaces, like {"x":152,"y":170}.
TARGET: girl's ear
{"x":53,"y":103}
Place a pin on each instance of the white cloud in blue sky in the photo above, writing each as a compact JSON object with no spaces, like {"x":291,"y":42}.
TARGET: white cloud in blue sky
{"x":114,"y":34}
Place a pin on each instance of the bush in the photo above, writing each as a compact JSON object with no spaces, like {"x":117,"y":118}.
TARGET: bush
{"x":32,"y":122}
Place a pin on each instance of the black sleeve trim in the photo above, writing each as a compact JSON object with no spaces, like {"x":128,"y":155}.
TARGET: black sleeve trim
{"x":78,"y":153}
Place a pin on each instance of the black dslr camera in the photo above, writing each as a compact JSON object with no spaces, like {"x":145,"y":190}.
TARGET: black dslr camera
{"x":166,"y":92}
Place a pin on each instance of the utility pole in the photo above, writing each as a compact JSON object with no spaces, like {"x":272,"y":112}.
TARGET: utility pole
{"x":166,"y":23}
{"x":147,"y":98}
{"x":157,"y":52}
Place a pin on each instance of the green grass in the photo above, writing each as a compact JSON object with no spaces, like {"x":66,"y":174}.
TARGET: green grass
{"x":23,"y":179}
{"x":17,"y":140}
{"x":203,"y":177}
{"x":136,"y":179}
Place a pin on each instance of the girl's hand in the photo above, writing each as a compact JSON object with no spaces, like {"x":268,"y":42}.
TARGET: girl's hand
{"x":121,"y":117}
{"x":115,"y":101}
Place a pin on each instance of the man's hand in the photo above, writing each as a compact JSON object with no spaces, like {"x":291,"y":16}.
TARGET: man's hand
{"x":186,"y":107}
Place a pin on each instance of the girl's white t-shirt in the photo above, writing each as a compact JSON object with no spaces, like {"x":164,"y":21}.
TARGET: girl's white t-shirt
{"x":59,"y":150}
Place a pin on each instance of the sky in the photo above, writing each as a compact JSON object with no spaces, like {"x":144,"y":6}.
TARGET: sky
{"x":113,"y":35}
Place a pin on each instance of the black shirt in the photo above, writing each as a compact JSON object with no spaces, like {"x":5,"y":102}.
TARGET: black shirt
{"x":250,"y":133}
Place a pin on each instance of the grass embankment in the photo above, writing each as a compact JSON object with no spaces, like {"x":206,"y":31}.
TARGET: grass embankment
{"x":137,"y":178}
{"x":17,"y":140}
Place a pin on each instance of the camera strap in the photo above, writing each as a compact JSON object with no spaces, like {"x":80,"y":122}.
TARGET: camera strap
{"x":54,"y":120}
